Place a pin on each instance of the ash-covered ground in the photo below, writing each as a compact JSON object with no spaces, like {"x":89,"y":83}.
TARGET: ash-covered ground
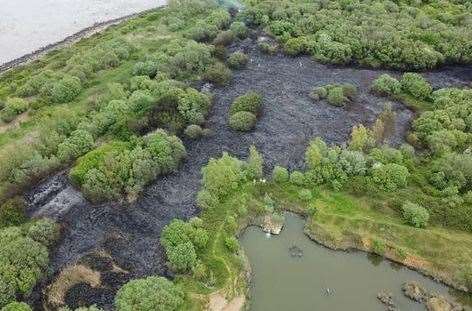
{"x":112,"y":235}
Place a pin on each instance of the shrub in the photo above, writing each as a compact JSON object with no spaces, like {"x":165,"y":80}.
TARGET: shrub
{"x":23,"y":262}
{"x":12,"y":212}
{"x":336,"y":96}
{"x":349,"y":90}
{"x":16,"y":306}
{"x":64,"y":90}
{"x":147,"y":68}
{"x":386,"y":85}
{"x":78,"y":143}
{"x":415,"y":215}
{"x":222,"y":176}
{"x":202,"y":32}
{"x":415,"y":85}
{"x":193,"y":131}
{"x":182,"y":257}
{"x":319,"y":93}
{"x":151,"y":293}
{"x":390,"y":177}
{"x":280,"y":174}
{"x":232,"y":244}
{"x":237,"y":60}
{"x":44,"y":231}
{"x":250,"y":102}
{"x":329,"y":51}
{"x":295,"y":46}
{"x":267,"y":48}
{"x":188,"y":61}
{"x":220,"y":18}
{"x":218,"y":73}
{"x":119,"y":168}
{"x":181,"y":240}
{"x":361,"y":138}
{"x":13,"y":107}
{"x":254,"y":164}
{"x":242,"y":121}
{"x":239,"y":29}
{"x":305,"y":195}
{"x":224,"y":38}
{"x":297,"y":178}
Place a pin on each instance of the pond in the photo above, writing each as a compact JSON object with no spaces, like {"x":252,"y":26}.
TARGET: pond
{"x":282,"y":281}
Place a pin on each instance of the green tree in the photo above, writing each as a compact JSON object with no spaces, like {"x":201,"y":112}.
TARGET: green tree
{"x":415,"y":215}
{"x":390,"y":177}
{"x":280,"y":174}
{"x":254,"y":164}
{"x":243,"y":121}
{"x":16,"y":306}
{"x":22,"y":263}
{"x":361,"y":138}
{"x":386,"y":85}
{"x":415,"y":85}
{"x":250,"y":102}
{"x":151,"y":293}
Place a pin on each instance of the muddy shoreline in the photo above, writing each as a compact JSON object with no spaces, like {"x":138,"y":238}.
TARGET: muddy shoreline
{"x":84,"y":33}
{"x":128,"y":235}
{"x":348,"y":246}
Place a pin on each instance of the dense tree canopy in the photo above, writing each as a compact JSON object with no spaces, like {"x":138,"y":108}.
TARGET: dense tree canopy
{"x":124,"y":168}
{"x":23,"y":258}
{"x":399,"y":34}
{"x":151,"y":293}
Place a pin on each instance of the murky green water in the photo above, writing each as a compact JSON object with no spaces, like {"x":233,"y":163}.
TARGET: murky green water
{"x":282,"y":282}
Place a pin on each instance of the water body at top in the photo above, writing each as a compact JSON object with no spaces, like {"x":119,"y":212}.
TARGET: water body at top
{"x":27,"y":25}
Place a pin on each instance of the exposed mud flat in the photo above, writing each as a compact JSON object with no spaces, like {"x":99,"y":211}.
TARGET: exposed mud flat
{"x":130,"y":234}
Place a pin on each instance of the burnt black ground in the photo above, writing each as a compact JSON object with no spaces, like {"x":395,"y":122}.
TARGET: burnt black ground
{"x":130,"y":234}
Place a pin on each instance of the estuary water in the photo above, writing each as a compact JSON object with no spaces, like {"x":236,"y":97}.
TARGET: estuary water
{"x":322,"y":279}
{"x":28,"y":25}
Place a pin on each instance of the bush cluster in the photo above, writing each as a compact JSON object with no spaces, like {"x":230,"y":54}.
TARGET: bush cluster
{"x":13,"y":107}
{"x":23,"y":258}
{"x":383,"y":168}
{"x":415,"y":215}
{"x":122,"y":169}
{"x":237,"y":60}
{"x":402,"y":35}
{"x":239,"y":29}
{"x":280,"y":174}
{"x":151,"y":293}
{"x":181,"y":241}
{"x":336,"y":94}
{"x":448,"y":127}
{"x":267,"y":48}
{"x":412,"y":84}
{"x":12,"y":212}
{"x":222,"y":176}
{"x":218,"y":73}
{"x":244,"y":110}
{"x":16,"y":306}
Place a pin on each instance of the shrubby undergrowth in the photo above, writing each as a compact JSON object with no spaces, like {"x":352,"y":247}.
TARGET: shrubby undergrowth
{"x":402,"y":35}
{"x":23,"y":254}
{"x":335,"y":94}
{"x":244,"y":111}
{"x":120,"y":169}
